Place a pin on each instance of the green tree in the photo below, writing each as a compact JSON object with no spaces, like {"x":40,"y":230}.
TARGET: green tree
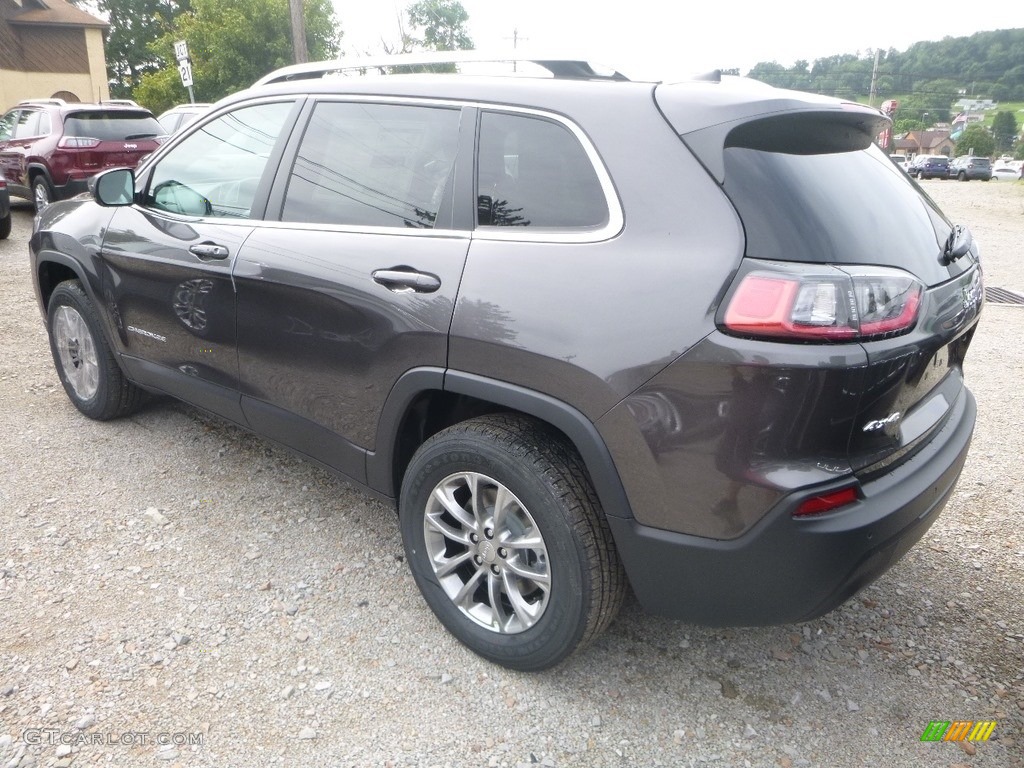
{"x":233,"y":43}
{"x":134,"y":26}
{"x":443,"y":23}
{"x":976,"y":140}
{"x":1004,"y":130}
{"x":906,"y":125}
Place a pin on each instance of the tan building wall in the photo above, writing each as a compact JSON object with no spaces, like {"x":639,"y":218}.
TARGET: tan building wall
{"x":90,"y":85}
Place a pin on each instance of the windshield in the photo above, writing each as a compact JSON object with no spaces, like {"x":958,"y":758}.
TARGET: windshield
{"x":837,"y":208}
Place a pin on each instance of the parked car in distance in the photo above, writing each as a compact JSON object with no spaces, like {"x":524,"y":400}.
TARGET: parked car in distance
{"x":176,"y":118}
{"x":374,"y":272}
{"x":969,"y":167}
{"x":929,"y":167}
{"x":5,"y":210}
{"x":1010,"y":171}
{"x":50,"y":148}
{"x":902,"y":161}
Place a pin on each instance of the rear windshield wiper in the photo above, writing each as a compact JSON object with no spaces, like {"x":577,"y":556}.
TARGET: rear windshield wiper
{"x":140,"y":136}
{"x":958,"y":243}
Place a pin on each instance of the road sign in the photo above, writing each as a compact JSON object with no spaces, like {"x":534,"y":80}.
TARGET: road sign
{"x":185,"y":70}
{"x":181,"y":50}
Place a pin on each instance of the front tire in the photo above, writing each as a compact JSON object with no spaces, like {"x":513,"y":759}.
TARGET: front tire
{"x":507,"y":541}
{"x":87,"y":369}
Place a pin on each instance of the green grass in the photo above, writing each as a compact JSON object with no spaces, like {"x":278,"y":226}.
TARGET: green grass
{"x":1016,"y":107}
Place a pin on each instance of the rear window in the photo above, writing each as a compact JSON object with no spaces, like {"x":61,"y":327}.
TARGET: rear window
{"x":836,"y":208}
{"x":112,"y":126}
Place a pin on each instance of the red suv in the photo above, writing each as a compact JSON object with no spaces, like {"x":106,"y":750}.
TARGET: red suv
{"x":49,"y":148}
{"x":5,"y":210}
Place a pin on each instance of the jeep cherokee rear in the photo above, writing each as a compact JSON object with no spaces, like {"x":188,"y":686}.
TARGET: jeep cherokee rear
{"x":49,"y":148}
{"x":571,"y":348}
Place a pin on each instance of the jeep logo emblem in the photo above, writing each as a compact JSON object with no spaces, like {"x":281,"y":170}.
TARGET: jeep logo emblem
{"x":131,"y":146}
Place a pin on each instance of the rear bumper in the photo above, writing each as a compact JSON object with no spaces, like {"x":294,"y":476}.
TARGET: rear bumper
{"x":785,"y":569}
{"x":72,"y":188}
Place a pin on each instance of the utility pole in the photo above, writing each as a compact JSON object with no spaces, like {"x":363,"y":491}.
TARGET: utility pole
{"x":301,"y":53}
{"x":874,"y":80}
{"x":515,"y":44}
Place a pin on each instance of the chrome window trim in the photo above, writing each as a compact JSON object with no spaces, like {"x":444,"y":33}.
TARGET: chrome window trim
{"x":616,"y":219}
{"x":611,"y":229}
{"x":449,"y":234}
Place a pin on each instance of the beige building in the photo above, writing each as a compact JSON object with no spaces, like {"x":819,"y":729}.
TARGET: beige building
{"x":50,"y":49}
{"x":931,"y":142}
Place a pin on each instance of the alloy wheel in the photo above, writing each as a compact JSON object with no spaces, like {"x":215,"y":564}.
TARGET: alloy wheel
{"x":487,"y":552}
{"x":77,"y":352}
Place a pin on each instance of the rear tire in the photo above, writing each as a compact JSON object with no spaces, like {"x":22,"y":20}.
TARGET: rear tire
{"x":42,"y":192}
{"x":507,"y":541}
{"x":5,"y":226}
{"x":87,"y":369}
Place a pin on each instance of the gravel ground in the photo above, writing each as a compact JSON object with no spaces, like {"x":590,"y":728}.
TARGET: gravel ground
{"x":169,"y":578}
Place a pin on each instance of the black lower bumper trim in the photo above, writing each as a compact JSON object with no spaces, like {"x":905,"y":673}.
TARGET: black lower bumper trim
{"x":787,"y":569}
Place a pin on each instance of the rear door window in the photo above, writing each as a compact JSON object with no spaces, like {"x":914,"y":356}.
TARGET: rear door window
{"x":533,"y":172}
{"x":379,"y":165}
{"x":28,"y":125}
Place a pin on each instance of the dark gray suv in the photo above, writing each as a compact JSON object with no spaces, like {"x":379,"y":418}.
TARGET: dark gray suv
{"x":969,"y":167}
{"x":583,"y":332}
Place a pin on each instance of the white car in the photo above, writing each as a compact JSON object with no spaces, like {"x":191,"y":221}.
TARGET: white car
{"x":176,"y":118}
{"x":1008,"y":172}
{"x":901,"y":161}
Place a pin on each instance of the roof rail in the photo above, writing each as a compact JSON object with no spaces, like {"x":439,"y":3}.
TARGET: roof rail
{"x":121,"y":102}
{"x":565,"y":68}
{"x":56,"y":102}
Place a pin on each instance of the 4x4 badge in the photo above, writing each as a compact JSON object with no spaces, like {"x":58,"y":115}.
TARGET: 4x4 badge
{"x":874,"y":426}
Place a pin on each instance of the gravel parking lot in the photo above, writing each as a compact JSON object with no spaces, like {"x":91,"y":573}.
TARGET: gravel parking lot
{"x":175,"y":591}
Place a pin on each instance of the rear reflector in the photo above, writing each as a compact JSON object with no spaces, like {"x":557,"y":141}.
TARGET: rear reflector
{"x":826,"y":502}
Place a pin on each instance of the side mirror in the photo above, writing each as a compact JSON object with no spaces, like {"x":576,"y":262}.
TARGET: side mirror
{"x":114,"y":187}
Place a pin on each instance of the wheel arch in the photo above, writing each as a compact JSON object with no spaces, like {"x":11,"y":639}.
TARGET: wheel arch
{"x":426,"y":400}
{"x":54,"y":270}
{"x":36,"y":169}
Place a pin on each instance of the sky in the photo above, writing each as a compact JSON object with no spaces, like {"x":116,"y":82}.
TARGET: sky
{"x":663,"y":39}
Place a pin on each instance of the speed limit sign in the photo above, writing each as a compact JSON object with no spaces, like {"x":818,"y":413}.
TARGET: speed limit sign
{"x":185,"y":70}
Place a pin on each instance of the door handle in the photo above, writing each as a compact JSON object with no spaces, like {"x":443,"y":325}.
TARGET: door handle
{"x":406,"y":280}
{"x":209,"y":251}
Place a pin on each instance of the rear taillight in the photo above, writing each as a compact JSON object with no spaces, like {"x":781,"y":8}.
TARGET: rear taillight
{"x":78,"y":142}
{"x":821,"y":303}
